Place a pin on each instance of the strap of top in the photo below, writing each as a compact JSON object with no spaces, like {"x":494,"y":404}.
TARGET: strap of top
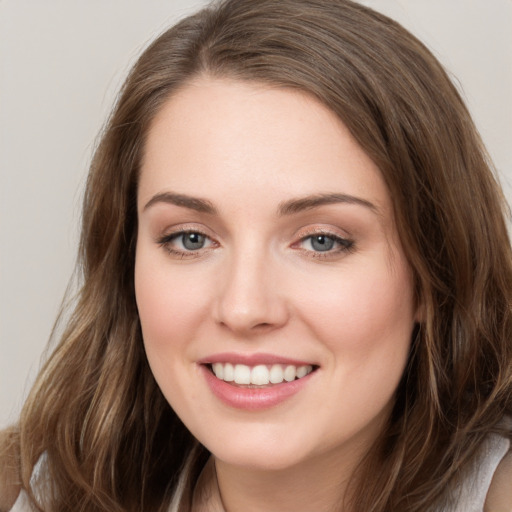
{"x":21,"y":504}
{"x":471,"y":493}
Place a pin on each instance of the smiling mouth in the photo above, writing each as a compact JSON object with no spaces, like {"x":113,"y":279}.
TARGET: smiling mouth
{"x":259,"y":376}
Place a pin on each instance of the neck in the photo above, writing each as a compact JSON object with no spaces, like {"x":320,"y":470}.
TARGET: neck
{"x":318,"y":484}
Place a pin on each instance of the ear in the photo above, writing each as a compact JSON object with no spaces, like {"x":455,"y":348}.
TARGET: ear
{"x":420,"y":313}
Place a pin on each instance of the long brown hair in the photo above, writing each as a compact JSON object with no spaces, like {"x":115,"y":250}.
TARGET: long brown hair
{"x":110,"y":440}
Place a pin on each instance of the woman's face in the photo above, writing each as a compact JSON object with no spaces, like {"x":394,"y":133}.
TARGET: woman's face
{"x":268,"y":253}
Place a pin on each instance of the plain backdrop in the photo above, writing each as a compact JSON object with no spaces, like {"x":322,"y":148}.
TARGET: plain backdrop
{"x":61,"y":64}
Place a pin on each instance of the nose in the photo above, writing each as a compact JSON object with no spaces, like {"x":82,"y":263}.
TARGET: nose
{"x":250,"y":299}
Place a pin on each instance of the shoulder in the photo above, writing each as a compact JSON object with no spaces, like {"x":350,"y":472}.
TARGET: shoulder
{"x":22,"y":504}
{"x":499,"y":497}
{"x":9,"y":493}
{"x":10,"y":487}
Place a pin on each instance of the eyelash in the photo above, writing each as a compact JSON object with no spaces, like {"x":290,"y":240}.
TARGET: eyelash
{"x":345,"y":245}
{"x":166,"y":242}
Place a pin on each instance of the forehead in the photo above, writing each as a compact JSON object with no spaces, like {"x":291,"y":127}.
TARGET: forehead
{"x":223,"y":136}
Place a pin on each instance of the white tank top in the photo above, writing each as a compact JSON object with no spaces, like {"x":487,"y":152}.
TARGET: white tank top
{"x":472,"y":491}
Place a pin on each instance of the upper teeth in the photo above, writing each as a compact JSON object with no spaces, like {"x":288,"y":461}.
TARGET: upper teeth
{"x":261,"y":374}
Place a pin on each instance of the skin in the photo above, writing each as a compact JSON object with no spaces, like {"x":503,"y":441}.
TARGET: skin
{"x":499,"y":497}
{"x":259,"y":285}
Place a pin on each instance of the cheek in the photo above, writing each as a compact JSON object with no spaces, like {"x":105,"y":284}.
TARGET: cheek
{"x":363,"y":315}
{"x":365,"y":321}
{"x":170,"y":307}
{"x":170,"y":310}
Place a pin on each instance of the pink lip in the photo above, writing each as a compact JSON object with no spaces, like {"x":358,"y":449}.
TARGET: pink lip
{"x":253,"y":399}
{"x":252,"y":359}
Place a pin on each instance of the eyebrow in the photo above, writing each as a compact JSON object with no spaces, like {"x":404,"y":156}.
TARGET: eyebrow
{"x":286,"y":208}
{"x":314,"y":201}
{"x":192,"y":203}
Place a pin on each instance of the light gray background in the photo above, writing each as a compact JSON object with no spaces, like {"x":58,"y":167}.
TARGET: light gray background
{"x":61,"y":63}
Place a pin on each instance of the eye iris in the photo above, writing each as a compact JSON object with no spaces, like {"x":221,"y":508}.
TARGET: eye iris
{"x":193,"y":241}
{"x":322,"y":243}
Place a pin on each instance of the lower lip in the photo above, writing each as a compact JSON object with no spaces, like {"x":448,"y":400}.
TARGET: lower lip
{"x":253,"y":399}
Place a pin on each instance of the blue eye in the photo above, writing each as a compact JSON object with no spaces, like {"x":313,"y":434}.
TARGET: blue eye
{"x":324,"y":243}
{"x":192,"y":241}
{"x":185,"y":243}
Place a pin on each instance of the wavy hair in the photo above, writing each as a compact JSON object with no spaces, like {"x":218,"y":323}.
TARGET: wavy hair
{"x":110,"y":440}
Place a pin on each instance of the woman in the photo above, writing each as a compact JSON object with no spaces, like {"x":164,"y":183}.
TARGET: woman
{"x":296,"y":284}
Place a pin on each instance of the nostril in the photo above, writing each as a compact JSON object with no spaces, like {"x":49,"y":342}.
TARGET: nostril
{"x":263,"y":325}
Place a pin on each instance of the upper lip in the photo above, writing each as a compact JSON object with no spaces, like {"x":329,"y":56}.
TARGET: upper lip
{"x":252,"y":359}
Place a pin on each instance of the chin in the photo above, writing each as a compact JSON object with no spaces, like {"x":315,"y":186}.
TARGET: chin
{"x":263,"y":449}
{"x":256,"y":459}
